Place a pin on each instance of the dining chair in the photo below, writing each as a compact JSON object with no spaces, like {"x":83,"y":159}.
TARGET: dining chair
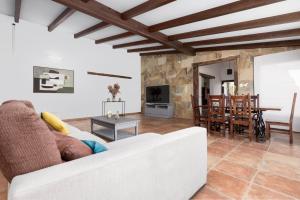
{"x":199,"y":113}
{"x":216,"y":114}
{"x":288,"y":125}
{"x":241,"y":115}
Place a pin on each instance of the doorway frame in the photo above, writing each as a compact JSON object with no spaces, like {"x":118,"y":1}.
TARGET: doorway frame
{"x":196,"y":66}
{"x":224,"y":81}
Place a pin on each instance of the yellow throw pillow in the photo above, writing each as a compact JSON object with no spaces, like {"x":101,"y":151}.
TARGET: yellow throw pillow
{"x":55,"y":122}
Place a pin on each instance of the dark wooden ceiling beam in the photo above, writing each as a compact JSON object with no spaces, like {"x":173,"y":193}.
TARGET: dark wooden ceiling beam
{"x":92,"y":29}
{"x":241,"y":38}
{"x":245,"y":38}
{"x":148,"y":49}
{"x":61,"y":18}
{"x":114,"y":37}
{"x":18,"y":4}
{"x":269,"y":21}
{"x":211,"y":13}
{"x":104,"y":13}
{"x":159,"y":53}
{"x":129,"y":44}
{"x":138,"y":10}
{"x":285,"y":43}
{"x":144,"y":7}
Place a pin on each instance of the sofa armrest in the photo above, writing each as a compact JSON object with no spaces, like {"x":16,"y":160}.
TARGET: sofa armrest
{"x":137,"y":171}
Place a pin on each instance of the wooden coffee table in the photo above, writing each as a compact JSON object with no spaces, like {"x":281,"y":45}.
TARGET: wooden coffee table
{"x":113,"y":125}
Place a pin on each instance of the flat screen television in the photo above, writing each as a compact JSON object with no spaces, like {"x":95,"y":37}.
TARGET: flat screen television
{"x":158,"y":94}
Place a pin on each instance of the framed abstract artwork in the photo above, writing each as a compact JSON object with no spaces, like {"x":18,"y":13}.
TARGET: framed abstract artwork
{"x":52,"y":80}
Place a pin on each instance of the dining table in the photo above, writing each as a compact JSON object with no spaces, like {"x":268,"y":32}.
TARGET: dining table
{"x":259,"y":121}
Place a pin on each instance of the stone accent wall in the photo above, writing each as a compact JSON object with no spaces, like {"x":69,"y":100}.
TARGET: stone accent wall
{"x":176,"y":70}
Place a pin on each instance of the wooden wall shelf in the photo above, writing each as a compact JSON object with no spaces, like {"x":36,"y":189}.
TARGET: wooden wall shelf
{"x":109,"y":75}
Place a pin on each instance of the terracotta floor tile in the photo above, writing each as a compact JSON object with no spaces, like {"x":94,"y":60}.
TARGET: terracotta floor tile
{"x":285,"y":149}
{"x":246,"y":156}
{"x":236,"y":170}
{"x":216,"y":151}
{"x":209,"y":194}
{"x":282,"y":165}
{"x":231,"y":141}
{"x":278,"y":183}
{"x":223,"y":145}
{"x":257,"y":146}
{"x":232,"y":187}
{"x":284,"y":139}
{"x":211,"y":139}
{"x":212,"y":160}
{"x":219,"y":149}
{"x":258,"y":193}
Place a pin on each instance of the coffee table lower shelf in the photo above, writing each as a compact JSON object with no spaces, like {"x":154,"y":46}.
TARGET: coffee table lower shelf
{"x":108,"y":134}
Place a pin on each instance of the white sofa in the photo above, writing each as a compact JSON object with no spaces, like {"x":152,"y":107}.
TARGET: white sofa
{"x":146,"y":167}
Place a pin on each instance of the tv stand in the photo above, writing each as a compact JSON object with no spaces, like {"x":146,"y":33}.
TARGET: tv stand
{"x":164,"y":110}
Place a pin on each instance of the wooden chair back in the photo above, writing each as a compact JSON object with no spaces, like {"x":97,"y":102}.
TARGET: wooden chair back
{"x":241,"y":114}
{"x":216,"y":106}
{"x":293,"y":109}
{"x":227,"y":104}
{"x":240,"y":107}
{"x":255,"y":102}
{"x":199,"y":113}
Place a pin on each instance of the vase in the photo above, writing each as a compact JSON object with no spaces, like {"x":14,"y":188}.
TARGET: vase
{"x":113,"y":98}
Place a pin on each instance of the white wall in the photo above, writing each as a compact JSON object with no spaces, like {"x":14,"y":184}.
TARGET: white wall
{"x":276,"y":78}
{"x":219,"y":71}
{"x":35,"y":46}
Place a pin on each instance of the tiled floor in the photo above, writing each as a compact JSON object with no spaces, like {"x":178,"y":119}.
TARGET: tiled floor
{"x":237,"y":169}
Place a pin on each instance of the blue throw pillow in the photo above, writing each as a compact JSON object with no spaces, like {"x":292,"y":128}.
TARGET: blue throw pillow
{"x":95,"y":146}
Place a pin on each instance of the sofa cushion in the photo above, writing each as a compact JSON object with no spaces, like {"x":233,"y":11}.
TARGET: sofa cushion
{"x":71,"y":148}
{"x":96,"y":147}
{"x":27,"y":103}
{"x":55,"y":122}
{"x":26,"y":144}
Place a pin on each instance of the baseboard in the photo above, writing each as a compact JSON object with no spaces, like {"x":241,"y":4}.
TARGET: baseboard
{"x":135,"y":113}
{"x":86,"y":118}
{"x":77,"y":119}
{"x":278,"y":130}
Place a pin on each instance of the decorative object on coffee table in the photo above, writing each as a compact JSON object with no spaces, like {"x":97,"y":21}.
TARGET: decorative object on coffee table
{"x":114,"y":90}
{"x":109,"y":114}
{"x":114,"y":125}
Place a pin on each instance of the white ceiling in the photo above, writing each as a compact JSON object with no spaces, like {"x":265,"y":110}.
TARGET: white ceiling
{"x":43,"y":12}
